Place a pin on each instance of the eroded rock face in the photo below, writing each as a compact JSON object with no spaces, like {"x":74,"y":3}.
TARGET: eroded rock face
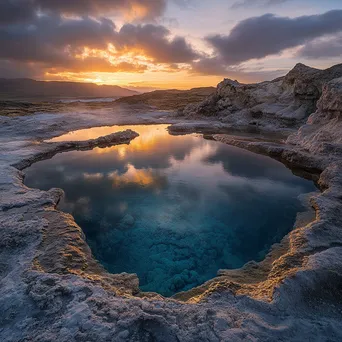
{"x":285,"y":102}
{"x":322,"y":133}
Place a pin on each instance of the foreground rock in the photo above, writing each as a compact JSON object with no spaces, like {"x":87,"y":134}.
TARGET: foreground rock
{"x":109,"y":140}
{"x":282,"y":104}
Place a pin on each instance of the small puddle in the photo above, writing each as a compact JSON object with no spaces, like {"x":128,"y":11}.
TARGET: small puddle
{"x":173,"y":209}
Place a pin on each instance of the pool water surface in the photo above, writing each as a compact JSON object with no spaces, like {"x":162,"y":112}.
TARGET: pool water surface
{"x":173,"y":209}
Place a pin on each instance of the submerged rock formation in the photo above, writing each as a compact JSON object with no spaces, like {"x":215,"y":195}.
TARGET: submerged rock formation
{"x":283,"y":103}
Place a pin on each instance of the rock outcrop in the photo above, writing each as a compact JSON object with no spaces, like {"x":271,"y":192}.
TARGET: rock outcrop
{"x":123,"y":137}
{"x":283,"y":103}
{"x":322,"y":133}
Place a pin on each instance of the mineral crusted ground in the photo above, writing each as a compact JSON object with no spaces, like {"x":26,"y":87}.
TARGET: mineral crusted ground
{"x":51,"y":289}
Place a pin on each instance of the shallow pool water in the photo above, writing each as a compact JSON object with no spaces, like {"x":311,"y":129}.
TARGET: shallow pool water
{"x":173,"y":209}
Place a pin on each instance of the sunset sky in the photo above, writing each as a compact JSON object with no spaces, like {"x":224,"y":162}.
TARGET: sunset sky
{"x":147,"y":44}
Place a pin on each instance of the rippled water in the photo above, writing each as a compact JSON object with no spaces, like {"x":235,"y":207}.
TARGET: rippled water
{"x":173,"y":209}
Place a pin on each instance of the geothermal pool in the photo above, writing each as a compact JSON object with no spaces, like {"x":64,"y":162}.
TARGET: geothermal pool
{"x":173,"y":209}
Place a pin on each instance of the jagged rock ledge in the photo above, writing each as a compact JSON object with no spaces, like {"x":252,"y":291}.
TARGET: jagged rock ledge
{"x":53,"y":148}
{"x":282,"y":105}
{"x":64,"y":249}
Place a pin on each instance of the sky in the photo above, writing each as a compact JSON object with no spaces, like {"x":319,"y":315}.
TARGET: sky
{"x":160,"y":44}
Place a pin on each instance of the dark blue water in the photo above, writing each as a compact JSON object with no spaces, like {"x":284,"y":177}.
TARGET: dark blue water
{"x":174,"y":210}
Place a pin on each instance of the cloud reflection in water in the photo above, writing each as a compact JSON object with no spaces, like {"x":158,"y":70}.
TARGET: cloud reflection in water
{"x":173,"y":209}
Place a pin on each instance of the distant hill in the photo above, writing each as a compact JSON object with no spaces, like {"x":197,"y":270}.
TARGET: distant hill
{"x":172,"y":99}
{"x":25,"y":88}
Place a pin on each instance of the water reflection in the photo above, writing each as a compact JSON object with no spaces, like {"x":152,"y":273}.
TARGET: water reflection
{"x":174,"y":210}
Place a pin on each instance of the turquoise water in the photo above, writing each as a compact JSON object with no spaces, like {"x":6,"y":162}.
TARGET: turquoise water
{"x":173,"y":209}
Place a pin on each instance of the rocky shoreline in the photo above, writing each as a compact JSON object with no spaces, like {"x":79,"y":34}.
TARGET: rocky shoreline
{"x":106,"y":141}
{"x":53,"y":290}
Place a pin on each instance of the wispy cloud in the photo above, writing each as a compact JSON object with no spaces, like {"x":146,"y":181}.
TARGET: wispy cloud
{"x":250,"y":3}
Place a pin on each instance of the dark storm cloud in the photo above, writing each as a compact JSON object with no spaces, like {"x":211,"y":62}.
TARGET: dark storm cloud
{"x":12,"y":11}
{"x":216,"y":67}
{"x":322,"y":48}
{"x":153,"y":40}
{"x":37,"y":34}
{"x":261,"y":36}
{"x":54,"y":41}
{"x":209,"y":66}
{"x":50,"y":39}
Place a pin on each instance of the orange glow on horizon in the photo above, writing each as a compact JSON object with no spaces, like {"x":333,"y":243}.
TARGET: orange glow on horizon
{"x":132,"y":68}
{"x":157,"y":80}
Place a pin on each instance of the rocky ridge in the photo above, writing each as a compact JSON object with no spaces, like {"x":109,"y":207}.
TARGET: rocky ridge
{"x":284,"y":103}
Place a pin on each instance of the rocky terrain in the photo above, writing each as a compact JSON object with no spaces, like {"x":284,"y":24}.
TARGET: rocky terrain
{"x":51,"y":288}
{"x":169,"y":100}
{"x":25,"y":88}
{"x":172,"y":99}
{"x":282,"y":104}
